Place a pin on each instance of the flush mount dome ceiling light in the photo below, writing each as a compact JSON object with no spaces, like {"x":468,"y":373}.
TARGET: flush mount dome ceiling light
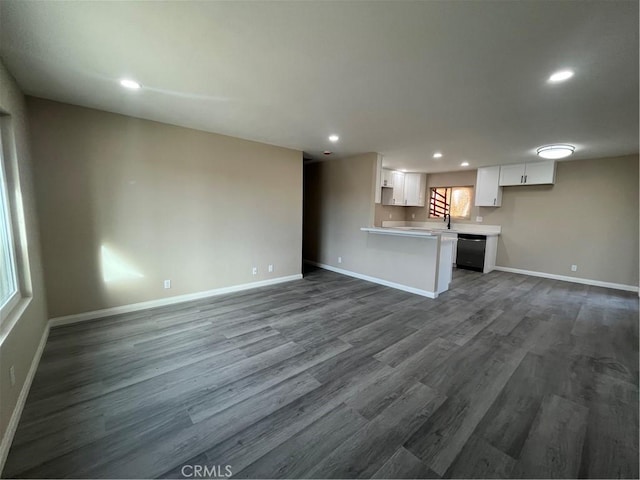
{"x":130,"y":84}
{"x":553,"y":152}
{"x":560,"y":76}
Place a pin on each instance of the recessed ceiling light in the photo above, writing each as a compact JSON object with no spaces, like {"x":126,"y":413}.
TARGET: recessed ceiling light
{"x":437,"y":155}
{"x":560,"y":76}
{"x":334,"y":138}
{"x":403,"y":170}
{"x":559,"y":150}
{"x":130,"y":84}
{"x":464,"y":164}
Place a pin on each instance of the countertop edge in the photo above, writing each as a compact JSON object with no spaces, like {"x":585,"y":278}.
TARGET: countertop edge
{"x":436,"y":231}
{"x":399,"y":233}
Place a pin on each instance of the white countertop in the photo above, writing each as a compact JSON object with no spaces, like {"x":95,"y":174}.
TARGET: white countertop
{"x":401,"y":231}
{"x":440,"y":227}
{"x":408,"y":232}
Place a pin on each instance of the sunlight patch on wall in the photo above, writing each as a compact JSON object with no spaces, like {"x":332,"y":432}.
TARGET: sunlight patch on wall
{"x":115,"y":268}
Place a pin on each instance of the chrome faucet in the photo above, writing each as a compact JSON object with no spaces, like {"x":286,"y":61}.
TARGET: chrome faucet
{"x":445,"y":219}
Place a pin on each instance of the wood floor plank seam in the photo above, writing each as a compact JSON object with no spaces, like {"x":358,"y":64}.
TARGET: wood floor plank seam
{"x":502,"y":376}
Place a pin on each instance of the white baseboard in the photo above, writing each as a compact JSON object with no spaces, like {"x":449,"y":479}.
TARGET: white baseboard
{"x":386,"y":283}
{"x":564,"y":278}
{"x":81,"y":317}
{"x":5,"y":445}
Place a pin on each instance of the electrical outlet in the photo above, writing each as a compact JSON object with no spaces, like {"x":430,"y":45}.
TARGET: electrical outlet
{"x":413,"y":215}
{"x":339,"y":259}
{"x":167,"y":284}
{"x":479,"y":219}
{"x":574,"y":268}
{"x":254,"y":271}
{"x":390,"y":216}
{"x":12,"y":374}
{"x":270,"y":268}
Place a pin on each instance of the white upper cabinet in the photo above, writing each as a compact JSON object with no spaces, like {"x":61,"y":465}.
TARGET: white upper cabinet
{"x":387,"y":178}
{"x":415,"y":186}
{"x":512,"y":174}
{"x":398,"y":188}
{"x":488,"y":189}
{"x":537,"y":173}
{"x":534,"y":173}
{"x":403,"y":189}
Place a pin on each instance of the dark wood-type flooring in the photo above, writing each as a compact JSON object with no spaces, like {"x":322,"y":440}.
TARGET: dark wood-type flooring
{"x":331,"y":377}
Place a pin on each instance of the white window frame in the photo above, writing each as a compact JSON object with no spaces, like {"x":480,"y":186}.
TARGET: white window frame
{"x":15,"y":297}
{"x":452,"y":188}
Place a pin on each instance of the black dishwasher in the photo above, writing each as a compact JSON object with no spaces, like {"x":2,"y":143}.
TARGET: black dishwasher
{"x":470,"y":253}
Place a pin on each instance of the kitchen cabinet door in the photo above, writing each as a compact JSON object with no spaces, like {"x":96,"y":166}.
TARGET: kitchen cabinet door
{"x":415,"y":185}
{"x":512,"y":174}
{"x":533,"y":173}
{"x":488,"y":189}
{"x":387,"y":178}
{"x":540,"y":173}
{"x":398,"y":188}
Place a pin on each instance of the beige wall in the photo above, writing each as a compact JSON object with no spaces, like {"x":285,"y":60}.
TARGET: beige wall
{"x":339,"y":199}
{"x":20,"y":335}
{"x":588,"y":218}
{"x":126,"y":203}
{"x":393,"y":213}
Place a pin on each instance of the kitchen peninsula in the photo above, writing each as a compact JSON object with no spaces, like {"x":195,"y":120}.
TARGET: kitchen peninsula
{"x":419,"y":256}
{"x":421,"y":260}
{"x":488,"y":233}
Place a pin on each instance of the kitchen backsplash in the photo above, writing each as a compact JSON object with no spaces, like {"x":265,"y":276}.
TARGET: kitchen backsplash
{"x":389,"y":212}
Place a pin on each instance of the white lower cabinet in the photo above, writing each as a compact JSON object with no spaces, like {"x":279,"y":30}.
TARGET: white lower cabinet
{"x":454,"y":237}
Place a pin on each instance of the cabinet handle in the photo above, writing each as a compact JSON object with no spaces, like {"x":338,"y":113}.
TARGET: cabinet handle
{"x":525,"y":179}
{"x":494,"y":201}
{"x":521,"y":178}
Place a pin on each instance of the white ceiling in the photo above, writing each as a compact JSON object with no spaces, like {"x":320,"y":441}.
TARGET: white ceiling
{"x":401,"y":78}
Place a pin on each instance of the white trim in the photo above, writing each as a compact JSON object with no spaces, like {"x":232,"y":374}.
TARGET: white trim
{"x":7,"y":309}
{"x":16,"y":314}
{"x":564,"y":278}
{"x":5,"y":445}
{"x":386,"y":283}
{"x":81,"y":317}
